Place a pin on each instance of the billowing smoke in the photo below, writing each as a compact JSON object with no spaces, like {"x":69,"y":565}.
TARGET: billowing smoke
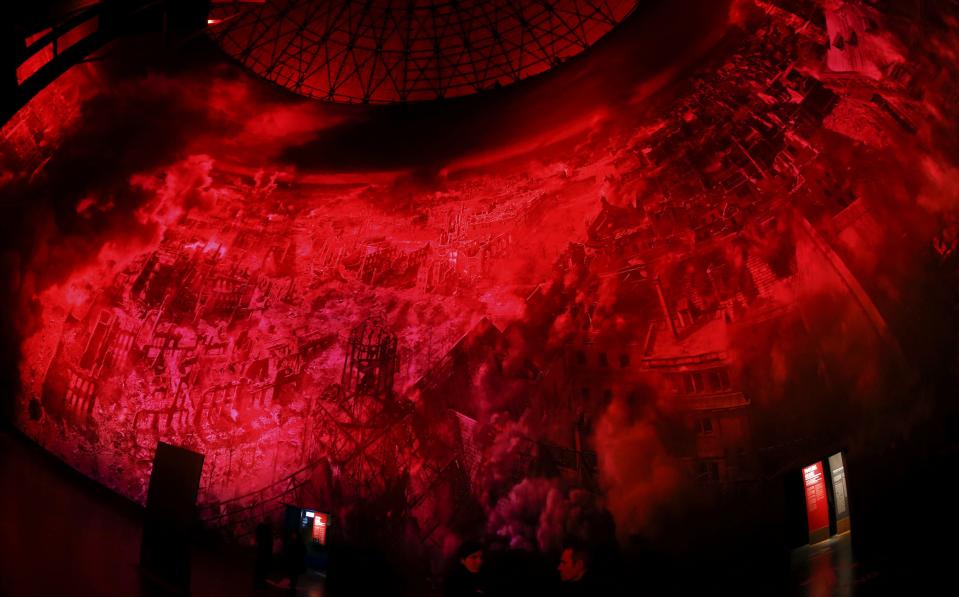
{"x":638,"y":474}
{"x":540,"y":514}
{"x":60,"y":215}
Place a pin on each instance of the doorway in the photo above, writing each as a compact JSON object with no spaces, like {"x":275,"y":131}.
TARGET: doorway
{"x":826,"y":498}
{"x":312,"y":528}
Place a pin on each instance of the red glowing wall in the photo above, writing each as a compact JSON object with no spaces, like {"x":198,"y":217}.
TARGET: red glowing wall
{"x":589,"y":292}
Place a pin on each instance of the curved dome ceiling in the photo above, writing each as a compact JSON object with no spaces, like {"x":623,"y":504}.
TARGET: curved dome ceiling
{"x":408,"y":50}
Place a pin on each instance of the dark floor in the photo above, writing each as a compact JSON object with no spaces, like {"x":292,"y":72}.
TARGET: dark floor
{"x":828,"y":568}
{"x":63,"y":534}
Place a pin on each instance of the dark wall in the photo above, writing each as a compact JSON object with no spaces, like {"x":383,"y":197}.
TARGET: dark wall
{"x":171,"y":514}
{"x":9,"y":374}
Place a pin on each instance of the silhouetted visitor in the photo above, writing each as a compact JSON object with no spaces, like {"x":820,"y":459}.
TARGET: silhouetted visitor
{"x":466,"y":577}
{"x":264,"y":553}
{"x":574,"y":571}
{"x":294,"y":558}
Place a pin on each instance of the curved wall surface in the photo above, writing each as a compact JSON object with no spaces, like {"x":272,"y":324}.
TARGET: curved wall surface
{"x":647,"y":292}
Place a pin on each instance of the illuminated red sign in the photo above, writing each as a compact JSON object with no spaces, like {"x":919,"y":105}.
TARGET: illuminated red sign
{"x":320,"y":522}
{"x":817,"y":504}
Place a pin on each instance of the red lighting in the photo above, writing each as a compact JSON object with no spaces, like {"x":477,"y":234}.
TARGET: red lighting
{"x":320,"y":523}
{"x":589,"y":303}
{"x":34,"y":63}
{"x":817,"y":504}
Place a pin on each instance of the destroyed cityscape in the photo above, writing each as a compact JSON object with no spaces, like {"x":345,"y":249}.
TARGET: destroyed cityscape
{"x":606,"y":333}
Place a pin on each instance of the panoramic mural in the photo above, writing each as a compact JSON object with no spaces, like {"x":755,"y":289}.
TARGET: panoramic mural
{"x":568,"y":318}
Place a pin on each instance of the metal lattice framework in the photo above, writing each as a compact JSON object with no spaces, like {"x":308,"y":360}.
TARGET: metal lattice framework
{"x":383,"y":51}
